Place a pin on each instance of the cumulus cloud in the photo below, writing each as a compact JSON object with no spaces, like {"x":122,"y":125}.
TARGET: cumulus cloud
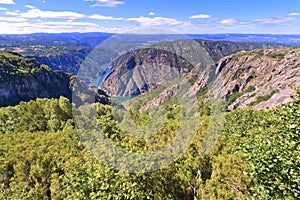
{"x":158,"y":21}
{"x":102,"y":17}
{"x":200,"y":16}
{"x":34,"y":12}
{"x":151,"y":13}
{"x":3,"y":8}
{"x":7,"y":2}
{"x":105,"y":3}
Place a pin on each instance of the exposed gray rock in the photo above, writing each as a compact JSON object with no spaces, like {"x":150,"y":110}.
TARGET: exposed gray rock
{"x":273,"y":73}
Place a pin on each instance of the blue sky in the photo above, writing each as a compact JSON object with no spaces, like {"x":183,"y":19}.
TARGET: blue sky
{"x":119,"y":16}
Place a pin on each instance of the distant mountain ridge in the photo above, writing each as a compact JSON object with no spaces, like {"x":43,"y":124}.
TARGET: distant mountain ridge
{"x":95,"y":38}
{"x":68,"y":62}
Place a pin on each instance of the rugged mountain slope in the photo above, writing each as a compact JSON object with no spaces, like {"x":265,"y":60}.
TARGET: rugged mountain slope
{"x":144,"y":70}
{"x":135,"y":72}
{"x":24,"y":79}
{"x":260,"y":78}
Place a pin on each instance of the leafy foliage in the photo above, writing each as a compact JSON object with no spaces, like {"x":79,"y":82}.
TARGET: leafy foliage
{"x":39,"y":115}
{"x":269,"y":143}
{"x":256,"y":157}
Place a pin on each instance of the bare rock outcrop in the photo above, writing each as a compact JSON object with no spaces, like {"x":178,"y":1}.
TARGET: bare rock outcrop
{"x":261,"y":78}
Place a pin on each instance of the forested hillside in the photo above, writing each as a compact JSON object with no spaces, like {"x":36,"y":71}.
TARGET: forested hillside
{"x":42,"y":157}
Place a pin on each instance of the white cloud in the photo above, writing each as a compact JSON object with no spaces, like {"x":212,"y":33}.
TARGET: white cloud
{"x":200,"y":16}
{"x":12,"y":19}
{"x":266,"y":21}
{"x":30,"y":7}
{"x":11,"y":13}
{"x":56,"y":27}
{"x":105,"y":3}
{"x":34,"y":12}
{"x":294,"y":14}
{"x":7,"y":2}
{"x":151,"y":13}
{"x":273,"y":20}
{"x":229,"y":22}
{"x":68,"y":23}
{"x":158,"y":21}
{"x":3,"y":8}
{"x":102,"y":17}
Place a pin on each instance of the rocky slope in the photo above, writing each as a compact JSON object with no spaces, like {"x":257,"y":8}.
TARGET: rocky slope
{"x":261,"y":78}
{"x":24,"y":79}
{"x":143,"y":70}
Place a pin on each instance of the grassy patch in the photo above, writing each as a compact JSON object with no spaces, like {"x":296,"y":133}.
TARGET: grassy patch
{"x":233,"y":98}
{"x":263,"y":98}
{"x":250,"y":89}
{"x":297,"y":66}
{"x":278,"y":56}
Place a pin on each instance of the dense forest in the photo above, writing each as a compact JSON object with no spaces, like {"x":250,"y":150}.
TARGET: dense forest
{"x":257,"y":156}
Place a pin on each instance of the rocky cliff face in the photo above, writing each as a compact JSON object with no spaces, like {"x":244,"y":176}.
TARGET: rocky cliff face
{"x":261,"y":78}
{"x":144,"y":70}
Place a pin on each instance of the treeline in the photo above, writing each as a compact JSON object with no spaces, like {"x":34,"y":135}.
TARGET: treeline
{"x":43,"y":157}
